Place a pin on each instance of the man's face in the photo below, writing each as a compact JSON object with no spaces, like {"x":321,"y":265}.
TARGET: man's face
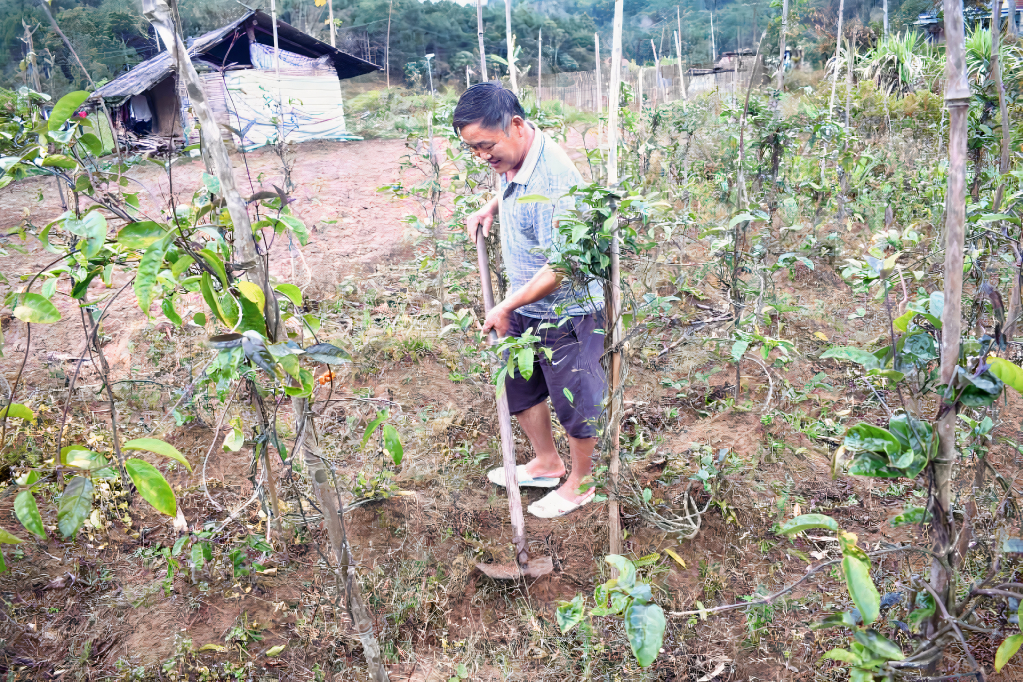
{"x":503,"y":150}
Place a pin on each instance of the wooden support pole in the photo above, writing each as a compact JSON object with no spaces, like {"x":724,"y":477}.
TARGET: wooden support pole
{"x":510,"y":38}
{"x":479,"y":34}
{"x":600,"y":90}
{"x":838,"y":52}
{"x":957,"y":97}
{"x":614,"y":317}
{"x":781,"y":42}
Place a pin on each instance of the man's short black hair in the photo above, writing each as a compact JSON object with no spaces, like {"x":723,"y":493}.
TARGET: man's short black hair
{"x":489,"y":104}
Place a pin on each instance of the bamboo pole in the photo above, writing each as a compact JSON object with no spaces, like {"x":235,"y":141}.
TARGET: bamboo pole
{"x":838,"y":51}
{"x":1003,"y":165}
{"x":479,"y":34}
{"x":614,"y":307}
{"x":850,"y":49}
{"x":330,"y":19}
{"x":387,"y":48}
{"x":885,"y":18}
{"x":781,"y":42}
{"x":1012,"y":27}
{"x":510,"y":38}
{"x":600,"y":93}
{"x":539,"y":66}
{"x":681,"y":72}
{"x":713,"y":45}
{"x":957,"y":97}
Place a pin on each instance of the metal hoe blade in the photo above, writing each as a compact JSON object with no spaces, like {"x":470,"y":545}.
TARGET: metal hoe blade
{"x":534,"y":568}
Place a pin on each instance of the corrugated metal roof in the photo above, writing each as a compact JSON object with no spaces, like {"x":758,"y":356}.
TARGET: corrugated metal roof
{"x":152,"y":71}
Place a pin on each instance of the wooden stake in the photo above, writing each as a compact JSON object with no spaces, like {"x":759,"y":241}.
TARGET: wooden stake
{"x":957,"y":97}
{"x":781,"y":41}
{"x":614,"y":306}
{"x":838,"y":51}
{"x":510,"y":38}
{"x":330,"y":19}
{"x":387,"y":48}
{"x":479,"y":34}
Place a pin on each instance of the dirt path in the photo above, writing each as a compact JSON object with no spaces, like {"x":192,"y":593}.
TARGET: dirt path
{"x":351,"y":227}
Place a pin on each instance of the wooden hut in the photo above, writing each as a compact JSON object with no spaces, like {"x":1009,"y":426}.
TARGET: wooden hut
{"x":236,"y":62}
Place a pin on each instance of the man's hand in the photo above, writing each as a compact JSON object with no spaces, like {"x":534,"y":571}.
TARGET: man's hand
{"x":498,"y":319}
{"x":482,"y":218}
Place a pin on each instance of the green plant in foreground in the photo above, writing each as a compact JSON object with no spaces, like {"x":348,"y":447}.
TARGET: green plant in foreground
{"x":869,"y":651}
{"x":628,"y":597}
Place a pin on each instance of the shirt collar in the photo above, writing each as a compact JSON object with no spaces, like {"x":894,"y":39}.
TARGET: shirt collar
{"x":532,"y":156}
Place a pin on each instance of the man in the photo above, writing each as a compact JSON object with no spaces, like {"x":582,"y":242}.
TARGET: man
{"x":567,"y":318}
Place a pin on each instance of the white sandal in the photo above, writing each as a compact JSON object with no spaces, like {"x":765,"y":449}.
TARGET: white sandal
{"x":552,"y":505}
{"x":496,"y":477}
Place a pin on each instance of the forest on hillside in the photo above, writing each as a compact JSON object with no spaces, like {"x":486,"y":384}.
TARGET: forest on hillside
{"x":110,"y":36}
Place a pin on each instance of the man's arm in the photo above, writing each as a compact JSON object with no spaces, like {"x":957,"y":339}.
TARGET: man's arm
{"x":544,"y":283}
{"x":482,"y":218}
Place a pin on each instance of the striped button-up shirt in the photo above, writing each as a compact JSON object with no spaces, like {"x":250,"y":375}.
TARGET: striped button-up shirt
{"x":527,"y":228}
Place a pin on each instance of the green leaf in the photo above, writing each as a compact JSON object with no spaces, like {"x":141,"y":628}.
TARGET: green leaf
{"x":59,"y":161}
{"x":199,"y":319}
{"x":27,"y":511}
{"x":252,"y":313}
{"x":807,"y":522}
{"x":568,"y":394}
{"x":80,"y":458}
{"x":7,"y":538}
{"x":140,"y":235}
{"x":149,"y":268}
{"x":152,"y":486}
{"x":297,"y":227}
{"x":861,"y":587}
{"x":626,"y":571}
{"x":293,"y":293}
{"x":327,"y":353}
{"x":644,"y":626}
{"x":850,"y":354}
{"x":198,"y":556}
{"x":167,"y":305}
{"x":275,"y":650}
{"x":910,"y":516}
{"x":392,"y":444}
{"x":889,"y":374}
{"x":252,"y":292}
{"x":739,"y":349}
{"x":1006,"y":650}
{"x":35,"y":308}
{"x":92,"y":143}
{"x":234,"y":440}
{"x":94,"y":229}
{"x":1010,"y":373}
{"x":17,"y":411}
{"x":216,"y":263}
{"x":158,"y":447}
{"x":901,"y":323}
{"x":65,"y":107}
{"x":843,"y":655}
{"x":869,"y":438}
{"x":534,"y":199}
{"x":570,"y":613}
{"x":381,"y":417}
{"x":879,"y":644}
{"x":74,"y":505}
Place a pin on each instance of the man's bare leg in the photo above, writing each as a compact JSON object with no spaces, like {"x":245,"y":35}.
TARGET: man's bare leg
{"x":581,"y":450}
{"x":536,"y":422}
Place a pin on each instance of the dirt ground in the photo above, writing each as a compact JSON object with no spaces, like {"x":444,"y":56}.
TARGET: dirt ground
{"x":102,"y":607}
